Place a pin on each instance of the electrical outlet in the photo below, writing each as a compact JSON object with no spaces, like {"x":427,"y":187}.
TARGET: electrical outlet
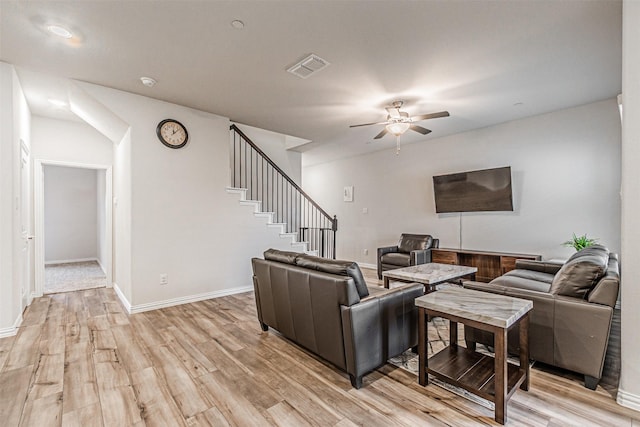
{"x":365,"y":210}
{"x":366,"y":251}
{"x":164,"y":279}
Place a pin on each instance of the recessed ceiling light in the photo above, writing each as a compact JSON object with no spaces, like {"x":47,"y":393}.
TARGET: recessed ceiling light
{"x":148,"y":81}
{"x":57,"y":103}
{"x":237,"y":24}
{"x":59,"y":31}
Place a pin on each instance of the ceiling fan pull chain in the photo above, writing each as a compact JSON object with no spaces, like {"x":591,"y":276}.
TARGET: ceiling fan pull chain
{"x":397,"y":145}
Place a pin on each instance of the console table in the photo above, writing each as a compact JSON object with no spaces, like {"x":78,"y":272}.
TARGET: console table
{"x":494,"y":379}
{"x":489,"y":264}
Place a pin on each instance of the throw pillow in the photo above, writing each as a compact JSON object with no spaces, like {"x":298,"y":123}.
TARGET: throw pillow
{"x":580,"y":274}
{"x":342,"y":268}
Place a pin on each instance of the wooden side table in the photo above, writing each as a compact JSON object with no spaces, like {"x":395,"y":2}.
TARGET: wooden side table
{"x":494,"y":379}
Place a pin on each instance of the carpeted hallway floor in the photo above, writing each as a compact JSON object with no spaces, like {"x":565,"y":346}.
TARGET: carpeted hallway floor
{"x":73,"y":276}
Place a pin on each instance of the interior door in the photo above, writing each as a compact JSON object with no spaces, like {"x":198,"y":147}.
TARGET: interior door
{"x":25,"y":237}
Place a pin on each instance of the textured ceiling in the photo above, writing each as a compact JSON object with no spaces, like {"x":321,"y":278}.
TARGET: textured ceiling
{"x":475,"y":59}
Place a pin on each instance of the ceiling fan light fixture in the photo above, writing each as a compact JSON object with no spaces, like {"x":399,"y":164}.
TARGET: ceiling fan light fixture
{"x":398,"y":128}
{"x":60,"y":31}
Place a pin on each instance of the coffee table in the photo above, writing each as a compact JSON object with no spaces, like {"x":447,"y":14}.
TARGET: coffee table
{"x":429,"y":274}
{"x":494,"y":379}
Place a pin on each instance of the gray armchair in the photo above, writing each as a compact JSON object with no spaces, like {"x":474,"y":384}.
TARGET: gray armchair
{"x":412,"y":249}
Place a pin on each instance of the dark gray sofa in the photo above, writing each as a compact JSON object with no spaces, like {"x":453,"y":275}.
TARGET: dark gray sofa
{"x":573,"y":307}
{"x":412,"y":249}
{"x":325,"y":306}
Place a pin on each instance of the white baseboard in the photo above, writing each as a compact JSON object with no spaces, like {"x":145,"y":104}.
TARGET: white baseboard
{"x":140,"y":308}
{"x":101,"y":267}
{"x":11,"y":330}
{"x":367,"y":265}
{"x":628,"y":400}
{"x":125,"y":302}
{"x":68,"y":261}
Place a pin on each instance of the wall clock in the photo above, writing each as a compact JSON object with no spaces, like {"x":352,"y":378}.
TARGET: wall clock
{"x":172,"y":133}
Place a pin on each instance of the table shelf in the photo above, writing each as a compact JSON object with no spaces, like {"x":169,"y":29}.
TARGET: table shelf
{"x":472,"y":371}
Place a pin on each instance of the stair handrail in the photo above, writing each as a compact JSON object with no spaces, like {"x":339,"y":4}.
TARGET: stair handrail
{"x":334,"y":220}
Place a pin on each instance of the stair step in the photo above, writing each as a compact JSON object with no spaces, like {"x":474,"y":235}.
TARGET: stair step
{"x":300,"y":245}
{"x":241,"y":191}
{"x":257,"y":204}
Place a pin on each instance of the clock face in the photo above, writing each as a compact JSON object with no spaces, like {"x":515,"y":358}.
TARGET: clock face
{"x":172,"y":133}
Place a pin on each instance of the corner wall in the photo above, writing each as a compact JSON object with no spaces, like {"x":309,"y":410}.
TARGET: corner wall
{"x":566,"y":178}
{"x":15,"y":126}
{"x":172,"y":214}
{"x":629,"y":390}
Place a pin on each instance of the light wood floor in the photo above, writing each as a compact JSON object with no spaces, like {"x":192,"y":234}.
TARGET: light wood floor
{"x":79,"y":360}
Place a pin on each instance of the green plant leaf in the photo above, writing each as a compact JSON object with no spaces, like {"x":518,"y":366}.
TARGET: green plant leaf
{"x":580,"y":242}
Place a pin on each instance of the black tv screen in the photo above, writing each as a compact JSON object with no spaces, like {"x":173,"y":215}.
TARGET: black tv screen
{"x":474,"y":191}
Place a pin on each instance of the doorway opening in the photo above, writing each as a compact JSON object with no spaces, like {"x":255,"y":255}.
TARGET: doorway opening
{"x":73,"y":222}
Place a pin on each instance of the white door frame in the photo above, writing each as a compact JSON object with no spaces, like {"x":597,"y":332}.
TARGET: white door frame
{"x":26,"y":252}
{"x":38,"y":196}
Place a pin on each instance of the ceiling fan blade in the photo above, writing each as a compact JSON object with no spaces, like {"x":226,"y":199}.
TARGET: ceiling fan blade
{"x":381,"y":134}
{"x":430,"y":116}
{"x":420,"y":129}
{"x":368,"y":124}
{"x":394,"y":112}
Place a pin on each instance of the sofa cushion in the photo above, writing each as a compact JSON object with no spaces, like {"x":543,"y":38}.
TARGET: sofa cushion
{"x":581,"y":272}
{"x":414,"y":242}
{"x":531,"y":274}
{"x":343,"y":268}
{"x":281,"y":256}
{"x":515,"y":282}
{"x":396,"y":258}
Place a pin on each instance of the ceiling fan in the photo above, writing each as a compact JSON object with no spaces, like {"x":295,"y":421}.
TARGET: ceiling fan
{"x":398,"y":122}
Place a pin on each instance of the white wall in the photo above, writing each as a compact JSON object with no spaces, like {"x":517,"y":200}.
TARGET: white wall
{"x":101,"y":211}
{"x":67,"y":141}
{"x":70,"y":214}
{"x":629,"y":391}
{"x":15,"y":122}
{"x":565,"y":171}
{"x":182,"y":221}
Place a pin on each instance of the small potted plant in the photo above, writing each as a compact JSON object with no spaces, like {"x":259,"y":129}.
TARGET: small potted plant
{"x":580,"y":242}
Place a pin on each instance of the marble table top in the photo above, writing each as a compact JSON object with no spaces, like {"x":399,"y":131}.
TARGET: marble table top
{"x":430,"y":273}
{"x":484,"y":307}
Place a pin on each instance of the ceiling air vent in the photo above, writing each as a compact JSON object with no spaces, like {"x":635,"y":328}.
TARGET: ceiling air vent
{"x":308,"y":66}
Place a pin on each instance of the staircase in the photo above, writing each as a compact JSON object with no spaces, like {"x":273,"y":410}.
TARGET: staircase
{"x":275,"y":196}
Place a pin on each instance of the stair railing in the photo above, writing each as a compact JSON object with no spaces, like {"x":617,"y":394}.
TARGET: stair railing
{"x":265,"y":181}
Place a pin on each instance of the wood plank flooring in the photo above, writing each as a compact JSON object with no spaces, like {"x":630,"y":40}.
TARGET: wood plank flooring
{"x":79,"y":360}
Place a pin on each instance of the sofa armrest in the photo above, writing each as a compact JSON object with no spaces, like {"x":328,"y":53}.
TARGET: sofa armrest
{"x":581,"y":335}
{"x":382,"y":251}
{"x":380,"y":326}
{"x":386,"y":250}
{"x":422,"y":256}
{"x":541,"y":266}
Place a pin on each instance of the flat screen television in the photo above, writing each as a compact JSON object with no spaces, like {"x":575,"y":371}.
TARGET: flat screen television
{"x":474,"y":191}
